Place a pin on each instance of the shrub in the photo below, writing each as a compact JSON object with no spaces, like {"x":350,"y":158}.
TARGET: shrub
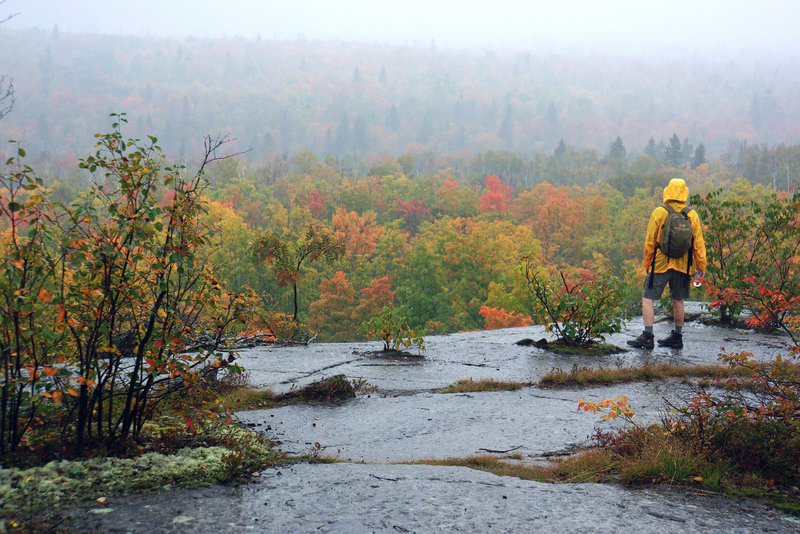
{"x":577,"y":312}
{"x":392,"y":327}
{"x":748,"y":239}
{"x":100,"y":299}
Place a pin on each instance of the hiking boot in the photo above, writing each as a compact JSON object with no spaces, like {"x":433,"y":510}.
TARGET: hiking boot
{"x":674,"y":340}
{"x":644,"y":341}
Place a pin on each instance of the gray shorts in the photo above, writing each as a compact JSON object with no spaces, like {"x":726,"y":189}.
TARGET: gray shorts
{"x":679,"y":285}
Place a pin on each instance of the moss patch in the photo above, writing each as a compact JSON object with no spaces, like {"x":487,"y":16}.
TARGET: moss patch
{"x":32,"y":492}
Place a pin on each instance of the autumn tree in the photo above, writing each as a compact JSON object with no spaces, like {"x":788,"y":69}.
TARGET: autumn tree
{"x":359,"y":233}
{"x":497,"y":197}
{"x":460,"y":259}
{"x":497,"y":318}
{"x":455,"y":200}
{"x":287,"y":255}
{"x":374,"y":298}
{"x":227,"y":244}
{"x":316,"y":202}
{"x":413,"y":212}
{"x":331,"y":315}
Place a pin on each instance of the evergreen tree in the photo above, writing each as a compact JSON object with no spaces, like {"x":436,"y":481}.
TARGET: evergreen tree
{"x":688,"y":150}
{"x":561,"y":149}
{"x":651,"y":149}
{"x":699,"y":156}
{"x":674,"y":154}
{"x":617,"y":150}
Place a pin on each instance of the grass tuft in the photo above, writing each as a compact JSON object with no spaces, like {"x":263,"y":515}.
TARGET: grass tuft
{"x":247,"y":398}
{"x":468,"y":385}
{"x":584,"y":376}
{"x":491,"y":464}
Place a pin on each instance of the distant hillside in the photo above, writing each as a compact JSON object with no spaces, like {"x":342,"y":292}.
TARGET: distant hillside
{"x":337,"y":98}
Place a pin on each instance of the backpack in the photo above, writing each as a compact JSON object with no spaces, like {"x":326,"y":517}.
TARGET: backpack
{"x":676,"y":234}
{"x":676,"y":239}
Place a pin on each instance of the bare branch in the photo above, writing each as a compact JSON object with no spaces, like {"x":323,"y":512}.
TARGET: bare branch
{"x":210,"y":147}
{"x":9,"y":16}
{"x":6,"y":95}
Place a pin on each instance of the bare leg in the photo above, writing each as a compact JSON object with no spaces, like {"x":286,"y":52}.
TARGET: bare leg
{"x":677,"y":312}
{"x":649,"y":314}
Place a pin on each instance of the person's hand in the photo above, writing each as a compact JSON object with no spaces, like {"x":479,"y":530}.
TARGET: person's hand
{"x":698,"y":278}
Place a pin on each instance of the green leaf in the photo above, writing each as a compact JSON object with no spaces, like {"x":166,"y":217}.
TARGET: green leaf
{"x":14,"y":206}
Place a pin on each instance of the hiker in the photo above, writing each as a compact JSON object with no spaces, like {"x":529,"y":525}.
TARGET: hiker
{"x":666,"y":265}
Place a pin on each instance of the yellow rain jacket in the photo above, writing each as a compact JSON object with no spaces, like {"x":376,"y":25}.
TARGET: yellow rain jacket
{"x":675,"y":194}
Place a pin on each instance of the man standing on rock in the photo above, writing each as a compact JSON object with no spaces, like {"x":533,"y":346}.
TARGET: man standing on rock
{"x":666,"y":263}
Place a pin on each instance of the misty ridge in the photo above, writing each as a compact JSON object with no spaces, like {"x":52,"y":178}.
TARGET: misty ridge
{"x":365,"y":101}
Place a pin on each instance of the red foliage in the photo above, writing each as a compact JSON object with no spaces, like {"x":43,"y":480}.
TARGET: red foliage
{"x":413,"y":212}
{"x":317,"y":203}
{"x":497,"y":197}
{"x":499,"y":318}
{"x":375,"y":297}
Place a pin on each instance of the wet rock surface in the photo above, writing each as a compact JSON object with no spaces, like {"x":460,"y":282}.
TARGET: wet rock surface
{"x":357,"y":498}
{"x":405,"y":420}
{"x":401,"y":428}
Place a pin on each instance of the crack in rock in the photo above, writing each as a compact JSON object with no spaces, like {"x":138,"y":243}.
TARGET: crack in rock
{"x":316,"y":371}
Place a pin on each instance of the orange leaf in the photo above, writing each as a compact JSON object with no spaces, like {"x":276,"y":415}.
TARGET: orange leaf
{"x":72,"y":392}
{"x":19,"y":264}
{"x":50,"y":371}
{"x":45,"y":295}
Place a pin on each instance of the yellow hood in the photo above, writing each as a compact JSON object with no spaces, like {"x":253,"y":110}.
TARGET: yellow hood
{"x":676,"y":190}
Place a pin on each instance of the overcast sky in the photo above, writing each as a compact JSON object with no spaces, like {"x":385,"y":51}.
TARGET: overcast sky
{"x":732,"y":25}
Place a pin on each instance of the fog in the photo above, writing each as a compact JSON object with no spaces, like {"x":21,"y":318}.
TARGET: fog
{"x":355,"y":77}
{"x":620,"y":26}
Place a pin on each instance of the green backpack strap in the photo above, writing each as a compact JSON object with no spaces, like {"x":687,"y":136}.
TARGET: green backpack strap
{"x":686,"y":212}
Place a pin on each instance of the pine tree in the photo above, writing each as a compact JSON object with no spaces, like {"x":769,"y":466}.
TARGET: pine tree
{"x":561,"y":149}
{"x":617,"y":150}
{"x":673,"y":153}
{"x":699,"y":156}
{"x":651,"y":149}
